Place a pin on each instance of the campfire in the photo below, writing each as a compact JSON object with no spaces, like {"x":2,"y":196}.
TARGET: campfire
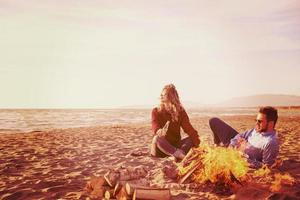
{"x":227,"y":166}
{"x":214,"y":164}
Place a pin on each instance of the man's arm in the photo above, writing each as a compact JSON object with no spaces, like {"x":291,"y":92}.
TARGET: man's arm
{"x":270,"y":153}
{"x":240,"y":139}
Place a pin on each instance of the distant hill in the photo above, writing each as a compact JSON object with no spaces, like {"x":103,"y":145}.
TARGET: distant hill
{"x":262,"y":100}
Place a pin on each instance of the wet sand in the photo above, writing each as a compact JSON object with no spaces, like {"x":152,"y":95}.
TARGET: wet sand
{"x":58,"y":163}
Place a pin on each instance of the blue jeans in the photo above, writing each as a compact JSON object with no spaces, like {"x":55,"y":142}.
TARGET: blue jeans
{"x":160,"y":147}
{"x":222,"y":132}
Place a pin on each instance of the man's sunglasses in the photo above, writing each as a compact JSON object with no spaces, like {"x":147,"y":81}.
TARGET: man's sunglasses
{"x":258,"y":121}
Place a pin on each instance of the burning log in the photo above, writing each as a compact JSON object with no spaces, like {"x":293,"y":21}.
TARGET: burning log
{"x":188,"y":156}
{"x":190,"y":171}
{"x":193,"y":154}
{"x":234,"y":179}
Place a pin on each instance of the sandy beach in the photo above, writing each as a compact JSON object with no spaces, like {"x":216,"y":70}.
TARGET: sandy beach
{"x":57,"y":164}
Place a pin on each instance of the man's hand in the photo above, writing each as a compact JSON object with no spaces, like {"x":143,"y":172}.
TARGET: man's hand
{"x":242,"y":144}
{"x":163,"y":131}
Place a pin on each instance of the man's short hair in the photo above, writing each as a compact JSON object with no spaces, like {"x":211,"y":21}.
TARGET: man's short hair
{"x":270,"y":112}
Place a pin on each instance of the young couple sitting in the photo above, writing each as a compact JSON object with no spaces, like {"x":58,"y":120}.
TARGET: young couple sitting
{"x":260,"y":143}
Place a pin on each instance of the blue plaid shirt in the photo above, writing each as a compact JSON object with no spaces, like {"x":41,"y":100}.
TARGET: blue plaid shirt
{"x":261,"y":148}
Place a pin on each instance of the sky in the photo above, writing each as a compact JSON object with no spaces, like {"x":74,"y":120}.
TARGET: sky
{"x":104,"y":54}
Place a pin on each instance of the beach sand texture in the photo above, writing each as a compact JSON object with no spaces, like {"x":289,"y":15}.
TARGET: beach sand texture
{"x":58,"y":163}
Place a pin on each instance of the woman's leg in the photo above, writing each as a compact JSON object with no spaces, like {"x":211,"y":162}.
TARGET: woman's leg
{"x":222,"y":132}
{"x":160,"y":147}
{"x":153,"y":148}
{"x":186,"y":144}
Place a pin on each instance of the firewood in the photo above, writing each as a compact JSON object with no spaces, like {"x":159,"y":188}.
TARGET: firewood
{"x":153,"y":194}
{"x":108,"y":192}
{"x":196,"y":165}
{"x":124,"y":174}
{"x":189,"y":160}
{"x":132,"y":173}
{"x":187,"y":156}
{"x":122,"y":195}
{"x":234,"y":179}
{"x":134,"y":195}
{"x":131,"y":187}
{"x":144,"y":192}
{"x":111,"y":178}
{"x":96,"y":187}
{"x":117,"y":189}
{"x":94,"y":183}
{"x":97,"y":193}
{"x":107,"y":195}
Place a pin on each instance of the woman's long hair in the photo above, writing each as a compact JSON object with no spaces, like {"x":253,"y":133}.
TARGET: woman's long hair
{"x":173,"y":98}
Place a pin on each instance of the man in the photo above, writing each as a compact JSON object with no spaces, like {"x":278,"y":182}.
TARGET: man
{"x":259,"y":145}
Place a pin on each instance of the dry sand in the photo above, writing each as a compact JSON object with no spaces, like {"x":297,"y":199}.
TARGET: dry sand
{"x":58,"y":163}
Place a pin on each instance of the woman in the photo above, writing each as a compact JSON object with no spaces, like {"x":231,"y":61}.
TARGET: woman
{"x":167,"y":119}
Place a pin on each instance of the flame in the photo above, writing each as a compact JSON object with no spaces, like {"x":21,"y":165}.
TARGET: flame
{"x":277,"y":180}
{"x":263,"y":175}
{"x":281,"y":179}
{"x":219,"y":164}
{"x":262,"y":172}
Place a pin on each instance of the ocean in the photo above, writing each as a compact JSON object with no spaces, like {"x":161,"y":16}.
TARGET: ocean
{"x":28,"y":120}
